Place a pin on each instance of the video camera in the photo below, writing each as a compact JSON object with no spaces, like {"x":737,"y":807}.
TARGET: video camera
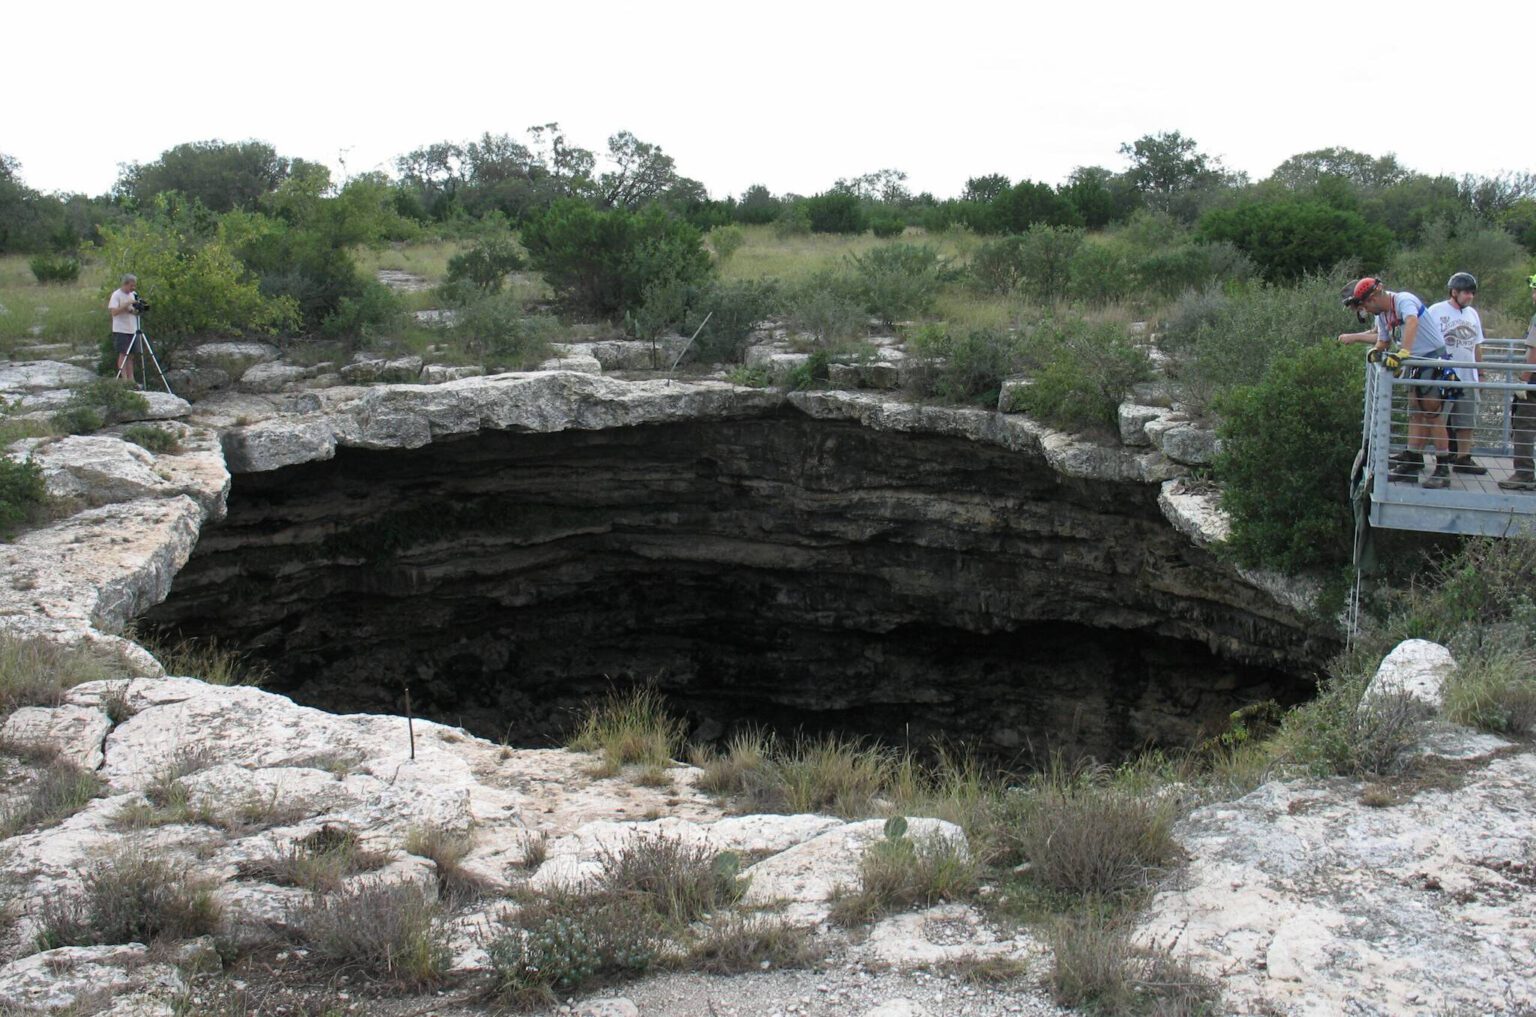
{"x":140,"y":305}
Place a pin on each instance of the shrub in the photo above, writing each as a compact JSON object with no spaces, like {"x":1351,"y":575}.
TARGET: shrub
{"x":1331,"y":734}
{"x":372,"y":309}
{"x":155,"y":439}
{"x":49,"y":269}
{"x":1495,"y":691}
{"x":965,"y":367}
{"x":194,"y":281}
{"x":130,"y":897}
{"x":23,"y":494}
{"x":835,"y":212}
{"x":726,"y":241}
{"x":486,"y":265}
{"x":1221,"y":339}
{"x":1083,"y":372}
{"x":828,"y":306}
{"x":682,"y":882}
{"x":735,"y":309}
{"x":1288,"y":239}
{"x":628,"y":728}
{"x":499,"y":330}
{"x":898,"y":281}
{"x":93,"y":406}
{"x":385,"y":930}
{"x":1100,"y":273}
{"x":1288,"y":444}
{"x":887,"y":227}
{"x":570,"y":939}
{"x":898,"y":872}
{"x":59,"y":791}
{"x":997,"y":266}
{"x":601,"y":262}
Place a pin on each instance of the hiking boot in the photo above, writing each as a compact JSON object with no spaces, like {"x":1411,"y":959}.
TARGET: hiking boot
{"x":1406,"y":455}
{"x":1519,"y":482}
{"x":1404,"y":473}
{"x":1464,"y":464}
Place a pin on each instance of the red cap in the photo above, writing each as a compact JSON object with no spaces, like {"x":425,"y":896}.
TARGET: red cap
{"x":1366,"y":286}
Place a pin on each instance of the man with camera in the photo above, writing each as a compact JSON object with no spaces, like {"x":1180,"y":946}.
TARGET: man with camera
{"x":125,"y":307}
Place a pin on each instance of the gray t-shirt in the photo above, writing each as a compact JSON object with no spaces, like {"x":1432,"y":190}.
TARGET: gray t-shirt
{"x":1389,"y":326}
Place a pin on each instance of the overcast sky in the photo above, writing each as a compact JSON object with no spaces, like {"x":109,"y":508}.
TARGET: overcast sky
{"x":790,"y":94}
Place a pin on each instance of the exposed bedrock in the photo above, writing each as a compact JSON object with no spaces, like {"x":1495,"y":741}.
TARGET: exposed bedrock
{"x":780,"y":569}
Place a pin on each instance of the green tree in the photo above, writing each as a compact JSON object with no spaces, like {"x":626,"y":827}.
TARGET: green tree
{"x":1027,"y":203}
{"x":1290,"y":238}
{"x":1288,"y":444}
{"x":1310,"y":170}
{"x":220,"y":175}
{"x":1172,"y":174}
{"x":758,"y":206}
{"x":836,"y":212}
{"x":602,"y":261}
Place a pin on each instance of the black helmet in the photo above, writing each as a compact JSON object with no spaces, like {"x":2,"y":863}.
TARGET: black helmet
{"x":1464,"y":281}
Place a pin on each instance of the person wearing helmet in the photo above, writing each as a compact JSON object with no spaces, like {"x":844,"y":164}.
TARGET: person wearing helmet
{"x":1402,"y":319}
{"x":1522,"y":416}
{"x":1462,"y":330}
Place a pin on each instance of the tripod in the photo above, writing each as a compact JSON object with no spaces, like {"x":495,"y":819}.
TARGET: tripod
{"x":142,"y":346}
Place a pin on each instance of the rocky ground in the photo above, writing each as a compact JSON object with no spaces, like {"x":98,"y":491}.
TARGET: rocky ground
{"x":1306,"y":897}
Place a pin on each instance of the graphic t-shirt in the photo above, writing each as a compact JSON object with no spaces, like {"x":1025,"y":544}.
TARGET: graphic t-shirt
{"x":1389,"y":326}
{"x":1462,"y":331}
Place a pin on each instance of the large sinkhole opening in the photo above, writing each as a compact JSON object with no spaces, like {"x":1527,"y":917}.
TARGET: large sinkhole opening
{"x":780,"y":571}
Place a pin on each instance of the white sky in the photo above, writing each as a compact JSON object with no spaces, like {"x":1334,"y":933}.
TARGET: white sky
{"x":791,"y":94}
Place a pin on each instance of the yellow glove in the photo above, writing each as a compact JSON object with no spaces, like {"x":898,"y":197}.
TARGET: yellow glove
{"x":1394,"y":361}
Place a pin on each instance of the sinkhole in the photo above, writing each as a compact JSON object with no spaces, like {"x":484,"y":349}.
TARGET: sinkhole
{"x":776,"y":571}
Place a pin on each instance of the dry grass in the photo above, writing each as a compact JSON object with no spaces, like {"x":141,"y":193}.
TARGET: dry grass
{"x":37,"y":672}
{"x":56,"y":792}
{"x":130,"y":897}
{"x":734,"y":944}
{"x":681,"y":882}
{"x":320,"y":862}
{"x":1095,"y":968}
{"x":206,"y":660}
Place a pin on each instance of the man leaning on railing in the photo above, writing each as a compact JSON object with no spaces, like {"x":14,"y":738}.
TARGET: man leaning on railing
{"x":1402,"y":318}
{"x":1522,"y":416}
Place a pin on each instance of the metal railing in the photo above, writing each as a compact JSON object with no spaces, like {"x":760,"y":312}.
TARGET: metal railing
{"x":1442,"y":494}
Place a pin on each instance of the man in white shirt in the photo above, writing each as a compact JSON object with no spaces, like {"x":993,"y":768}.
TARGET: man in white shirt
{"x":1462,"y":330}
{"x":125,"y":324}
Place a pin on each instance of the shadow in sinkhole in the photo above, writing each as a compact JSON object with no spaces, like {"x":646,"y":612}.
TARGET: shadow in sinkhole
{"x":781,"y":572}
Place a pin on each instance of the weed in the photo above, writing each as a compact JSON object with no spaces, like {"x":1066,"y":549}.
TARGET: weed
{"x":391,"y":931}
{"x":535,"y":849}
{"x":210,"y":662}
{"x":447,"y":850}
{"x":130,"y":897}
{"x":320,"y":862}
{"x":900,"y":872}
{"x":829,"y":774}
{"x":735,"y":943}
{"x":1095,"y":968}
{"x":571,"y":938}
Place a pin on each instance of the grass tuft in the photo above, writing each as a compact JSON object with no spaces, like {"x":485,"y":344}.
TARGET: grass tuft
{"x":447,"y":851}
{"x":37,"y":672}
{"x":1095,"y":968}
{"x":630,"y":728}
{"x":320,"y":862}
{"x":59,"y":791}
{"x":899,"y":872}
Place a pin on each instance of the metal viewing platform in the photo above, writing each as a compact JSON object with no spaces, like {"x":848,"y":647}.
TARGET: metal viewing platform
{"x":1471,"y":504}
